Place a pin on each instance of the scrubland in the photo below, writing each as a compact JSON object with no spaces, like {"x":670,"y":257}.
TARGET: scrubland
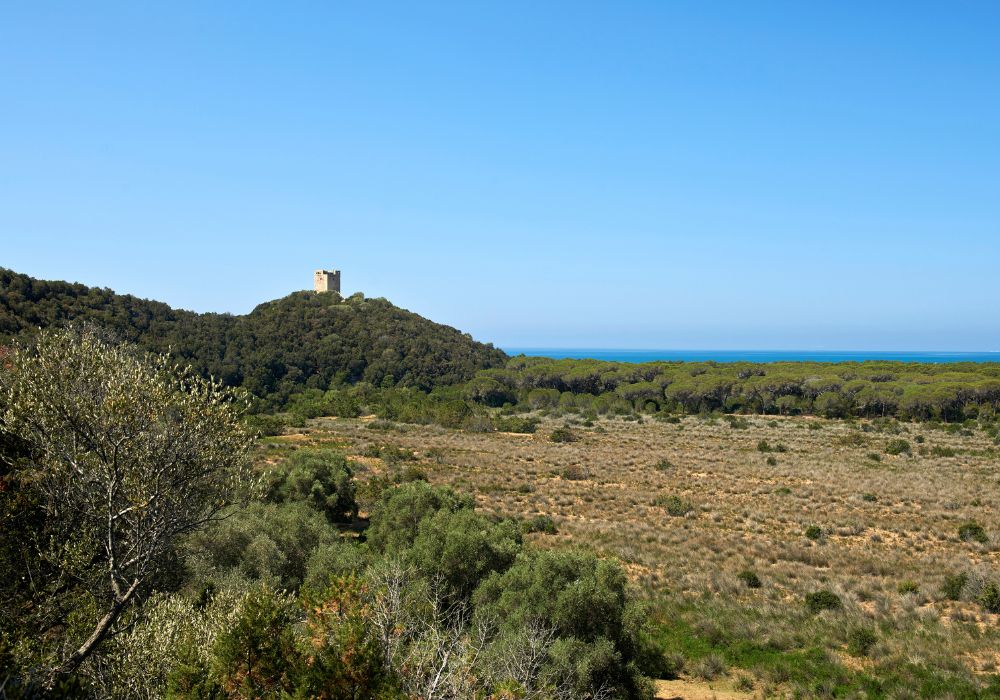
{"x":729,"y":525}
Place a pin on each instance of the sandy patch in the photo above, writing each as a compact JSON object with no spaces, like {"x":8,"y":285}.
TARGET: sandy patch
{"x":684,"y":689}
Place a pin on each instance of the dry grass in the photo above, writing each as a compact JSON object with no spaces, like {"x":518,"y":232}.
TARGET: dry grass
{"x":883,"y":522}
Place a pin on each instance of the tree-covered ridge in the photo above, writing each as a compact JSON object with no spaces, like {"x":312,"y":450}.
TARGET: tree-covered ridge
{"x":304,"y":340}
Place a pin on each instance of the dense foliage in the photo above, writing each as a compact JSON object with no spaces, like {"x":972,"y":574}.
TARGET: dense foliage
{"x":303,"y":340}
{"x":111,"y":457}
{"x":948,"y":392}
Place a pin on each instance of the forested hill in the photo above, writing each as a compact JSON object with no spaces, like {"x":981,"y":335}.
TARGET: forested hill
{"x":302,"y":340}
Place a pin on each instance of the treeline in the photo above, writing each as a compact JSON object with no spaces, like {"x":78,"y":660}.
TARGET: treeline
{"x":512,"y":397}
{"x":304,"y":340}
{"x":946,"y":392}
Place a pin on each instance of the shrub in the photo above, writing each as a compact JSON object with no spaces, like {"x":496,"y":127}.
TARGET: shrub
{"x":763,"y":446}
{"x":396,"y":518}
{"x":664,"y":465}
{"x":516,"y":424}
{"x":584,"y":601}
{"x":852,"y":440}
{"x":869,"y":497}
{"x":818,"y":601}
{"x":265,"y":425}
{"x":953,"y":586}
{"x":709,"y":668}
{"x":814,"y":532}
{"x":737,"y":423}
{"x":861,"y":640}
{"x":771,"y":461}
{"x":345,"y":658}
{"x":940,"y":451}
{"x":410,"y":473}
{"x":875,"y":456}
{"x":574,"y":473}
{"x":266,"y":542}
{"x":562,"y":435}
{"x":254,"y":655}
{"x":750,"y":578}
{"x":458,"y":549}
{"x":321,"y":478}
{"x":907,"y":588}
{"x":973,"y":532}
{"x":897,"y":447}
{"x":675,"y":505}
{"x":393,"y":455}
{"x":540,"y":523}
{"x":990,"y":597}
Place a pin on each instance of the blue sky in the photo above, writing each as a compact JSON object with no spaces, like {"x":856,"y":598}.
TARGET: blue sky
{"x":665,"y":174}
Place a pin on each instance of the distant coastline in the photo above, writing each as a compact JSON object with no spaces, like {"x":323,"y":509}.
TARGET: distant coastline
{"x":624,"y":355}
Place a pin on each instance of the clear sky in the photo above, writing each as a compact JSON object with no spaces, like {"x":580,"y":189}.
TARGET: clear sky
{"x":806,"y":175}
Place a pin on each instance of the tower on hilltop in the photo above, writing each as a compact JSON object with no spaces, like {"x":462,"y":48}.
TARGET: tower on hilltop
{"x":326,"y":281}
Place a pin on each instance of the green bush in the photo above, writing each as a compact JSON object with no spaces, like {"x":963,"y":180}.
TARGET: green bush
{"x":675,"y":505}
{"x":540,"y":523}
{"x":516,"y":424}
{"x":410,"y":472}
{"x":953,"y":586}
{"x":264,"y":542}
{"x":908,"y":588}
{"x":897,"y":447}
{"x":266,"y":425}
{"x":321,"y":478}
{"x":584,"y":601}
{"x":814,"y":532}
{"x":396,"y":518}
{"x":562,"y":435}
{"x":818,"y":601}
{"x":750,"y":578}
{"x":861,"y":640}
{"x":973,"y":532}
{"x":663,"y":465}
{"x":458,"y":549}
{"x":941,"y":451}
{"x":256,"y":654}
{"x":990,"y":597}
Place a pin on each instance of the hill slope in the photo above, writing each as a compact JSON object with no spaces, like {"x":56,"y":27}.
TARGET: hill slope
{"x":302,"y":340}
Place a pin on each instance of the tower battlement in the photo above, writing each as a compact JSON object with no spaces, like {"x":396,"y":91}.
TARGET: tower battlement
{"x":326,"y":281}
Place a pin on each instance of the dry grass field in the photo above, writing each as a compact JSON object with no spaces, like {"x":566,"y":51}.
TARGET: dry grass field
{"x":803,"y":504}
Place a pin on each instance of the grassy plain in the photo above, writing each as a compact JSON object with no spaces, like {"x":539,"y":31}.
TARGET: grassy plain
{"x":727,"y":525}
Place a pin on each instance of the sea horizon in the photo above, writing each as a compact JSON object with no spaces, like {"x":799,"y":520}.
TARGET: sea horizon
{"x":638,"y":355}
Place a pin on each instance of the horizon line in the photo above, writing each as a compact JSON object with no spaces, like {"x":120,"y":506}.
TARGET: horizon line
{"x":505,"y":346}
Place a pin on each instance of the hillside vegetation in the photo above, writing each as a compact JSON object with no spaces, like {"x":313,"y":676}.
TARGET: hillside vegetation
{"x":304,"y":340}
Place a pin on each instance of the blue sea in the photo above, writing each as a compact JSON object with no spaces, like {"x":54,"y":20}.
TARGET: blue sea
{"x":756,"y":355}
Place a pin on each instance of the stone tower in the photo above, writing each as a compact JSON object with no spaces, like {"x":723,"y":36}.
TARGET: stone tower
{"x":326,"y":281}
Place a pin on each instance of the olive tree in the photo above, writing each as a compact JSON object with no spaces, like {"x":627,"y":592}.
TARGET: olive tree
{"x":127,"y":453}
